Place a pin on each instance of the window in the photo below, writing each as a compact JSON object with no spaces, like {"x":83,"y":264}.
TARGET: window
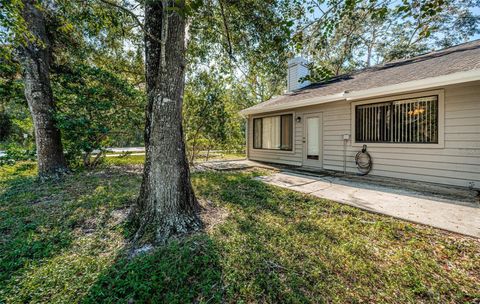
{"x":257,"y":133}
{"x":273,"y":132}
{"x":401,"y":121}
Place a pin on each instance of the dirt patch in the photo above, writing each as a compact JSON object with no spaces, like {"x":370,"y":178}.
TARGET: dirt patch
{"x":135,"y":169}
{"x":114,"y":169}
{"x":118,"y":216}
{"x":212,"y":215}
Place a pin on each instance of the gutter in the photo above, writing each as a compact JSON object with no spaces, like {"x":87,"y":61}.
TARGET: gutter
{"x":426,"y":83}
{"x":298,"y":104}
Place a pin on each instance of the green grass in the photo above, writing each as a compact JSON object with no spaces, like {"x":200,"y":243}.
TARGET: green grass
{"x":139,"y":159}
{"x":125,"y":160}
{"x":219,"y":156}
{"x":63,"y":242}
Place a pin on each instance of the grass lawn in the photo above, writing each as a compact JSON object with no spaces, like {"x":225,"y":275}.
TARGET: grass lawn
{"x":63,"y":242}
{"x":139,"y":159}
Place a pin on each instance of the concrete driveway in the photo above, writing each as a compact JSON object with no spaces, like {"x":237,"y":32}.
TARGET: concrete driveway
{"x":456,"y":213}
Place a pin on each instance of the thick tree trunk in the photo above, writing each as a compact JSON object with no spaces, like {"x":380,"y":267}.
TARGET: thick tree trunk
{"x":167,"y":206}
{"x":38,"y":92}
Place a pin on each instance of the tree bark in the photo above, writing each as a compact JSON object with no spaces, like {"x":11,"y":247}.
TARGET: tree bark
{"x":167,"y":206}
{"x":37,"y":55}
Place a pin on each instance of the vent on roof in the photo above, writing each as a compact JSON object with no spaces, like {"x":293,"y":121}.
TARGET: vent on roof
{"x":297,"y":69}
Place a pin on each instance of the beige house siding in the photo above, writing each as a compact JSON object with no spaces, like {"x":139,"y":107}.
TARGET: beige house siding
{"x":457,"y":163}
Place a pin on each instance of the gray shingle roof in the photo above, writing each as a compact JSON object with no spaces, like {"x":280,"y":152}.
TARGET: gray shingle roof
{"x":459,"y":58}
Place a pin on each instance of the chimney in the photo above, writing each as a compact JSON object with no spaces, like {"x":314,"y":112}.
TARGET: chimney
{"x":297,"y":68}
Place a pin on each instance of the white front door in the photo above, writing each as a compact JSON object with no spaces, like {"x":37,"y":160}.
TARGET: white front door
{"x":312,"y":150}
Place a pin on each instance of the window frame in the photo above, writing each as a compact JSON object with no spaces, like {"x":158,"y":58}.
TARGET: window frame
{"x":290,"y":151}
{"x":441,"y":120}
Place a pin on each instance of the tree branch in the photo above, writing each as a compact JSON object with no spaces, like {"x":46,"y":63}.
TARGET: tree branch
{"x":133,"y":15}
{"x":227,"y":31}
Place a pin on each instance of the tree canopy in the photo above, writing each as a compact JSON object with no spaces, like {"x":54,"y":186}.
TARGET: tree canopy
{"x":342,"y":36}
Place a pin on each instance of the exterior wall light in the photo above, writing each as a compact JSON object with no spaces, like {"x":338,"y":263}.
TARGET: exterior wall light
{"x":299,"y":119}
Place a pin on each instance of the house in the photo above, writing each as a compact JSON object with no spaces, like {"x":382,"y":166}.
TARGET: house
{"x":419,"y":119}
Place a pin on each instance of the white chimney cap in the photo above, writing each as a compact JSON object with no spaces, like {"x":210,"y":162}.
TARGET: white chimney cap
{"x":297,"y":60}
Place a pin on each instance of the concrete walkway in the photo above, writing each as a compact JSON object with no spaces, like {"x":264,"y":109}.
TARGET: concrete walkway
{"x":460,"y":215}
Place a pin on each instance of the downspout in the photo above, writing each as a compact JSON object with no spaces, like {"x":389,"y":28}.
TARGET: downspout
{"x":346,"y":137}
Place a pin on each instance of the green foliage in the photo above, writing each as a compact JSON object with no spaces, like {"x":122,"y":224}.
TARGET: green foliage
{"x":96,"y":81}
{"x":93,"y":106}
{"x":15,"y":152}
{"x":15,"y":121}
{"x":5,"y":125}
{"x":247,"y":40}
{"x":64,"y":242}
{"x":15,"y":118}
{"x":14,"y":30}
{"x":317,"y":73}
{"x":210,"y":116}
{"x":237,"y":55}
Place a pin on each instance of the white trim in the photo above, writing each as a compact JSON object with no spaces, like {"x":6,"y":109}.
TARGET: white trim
{"x":296,"y":104}
{"x":441,"y":120}
{"x":426,"y":83}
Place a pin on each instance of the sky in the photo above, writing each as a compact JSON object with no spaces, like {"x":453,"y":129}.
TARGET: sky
{"x":476,"y":11}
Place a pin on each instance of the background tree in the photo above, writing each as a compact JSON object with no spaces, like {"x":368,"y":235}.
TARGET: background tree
{"x":95,"y":109}
{"x":211,"y":115}
{"x":36,"y":59}
{"x":96,"y":72}
{"x":341,"y":36}
{"x":247,"y":40}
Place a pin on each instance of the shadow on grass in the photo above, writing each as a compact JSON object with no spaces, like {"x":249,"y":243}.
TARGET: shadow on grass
{"x":279,"y":246}
{"x":186,"y":271}
{"x":63,"y":242}
{"x":50,"y":231}
{"x":22,"y":219}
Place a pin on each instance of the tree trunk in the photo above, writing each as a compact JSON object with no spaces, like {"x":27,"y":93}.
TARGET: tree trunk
{"x":167,"y":206}
{"x":208,"y":153}
{"x":38,"y":92}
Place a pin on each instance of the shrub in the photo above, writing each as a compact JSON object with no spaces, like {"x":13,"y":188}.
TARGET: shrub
{"x":5,"y":126}
{"x":15,"y":152}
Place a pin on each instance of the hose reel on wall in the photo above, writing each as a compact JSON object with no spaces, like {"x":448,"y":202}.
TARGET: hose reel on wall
{"x":363,"y":160}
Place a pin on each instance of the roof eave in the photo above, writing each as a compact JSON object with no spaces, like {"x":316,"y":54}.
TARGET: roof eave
{"x":296,"y":104}
{"x":426,"y":83}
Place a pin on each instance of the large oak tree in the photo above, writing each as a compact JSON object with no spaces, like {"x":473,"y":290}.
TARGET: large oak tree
{"x":167,"y":205}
